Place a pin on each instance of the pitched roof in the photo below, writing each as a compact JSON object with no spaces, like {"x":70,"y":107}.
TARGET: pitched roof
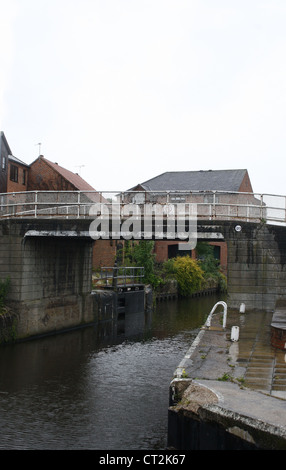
{"x":76,"y":180}
{"x":4,"y":140}
{"x":17,"y":160}
{"x":213,"y":180}
{"x":10,"y":155}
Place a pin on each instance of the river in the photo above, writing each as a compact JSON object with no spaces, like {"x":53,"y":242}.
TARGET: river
{"x":86,"y":389}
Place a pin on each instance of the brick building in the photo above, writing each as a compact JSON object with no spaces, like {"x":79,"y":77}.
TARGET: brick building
{"x":45,"y":175}
{"x":224,"y":181}
{"x":18,"y":175}
{"x":14,"y":172}
{"x":5,"y":151}
{"x":210,"y":180}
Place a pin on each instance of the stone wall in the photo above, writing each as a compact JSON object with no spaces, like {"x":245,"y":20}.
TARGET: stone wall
{"x":256,"y":265}
{"x":50,"y":288}
{"x":256,"y":262}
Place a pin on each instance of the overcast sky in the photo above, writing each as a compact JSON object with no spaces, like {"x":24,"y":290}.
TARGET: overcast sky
{"x":123,"y":90}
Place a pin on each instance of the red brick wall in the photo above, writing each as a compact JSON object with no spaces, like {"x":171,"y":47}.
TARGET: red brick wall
{"x":43,"y":177}
{"x":223,"y":255}
{"x":13,"y":186}
{"x":161,"y":252}
{"x":104,"y":253}
{"x":245,"y":186}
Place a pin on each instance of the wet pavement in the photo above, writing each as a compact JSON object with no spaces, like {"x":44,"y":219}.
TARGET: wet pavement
{"x":251,"y":361}
{"x":245,"y":379}
{"x":263,"y":367}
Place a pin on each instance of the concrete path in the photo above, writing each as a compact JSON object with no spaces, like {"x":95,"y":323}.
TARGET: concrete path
{"x":245,"y":379}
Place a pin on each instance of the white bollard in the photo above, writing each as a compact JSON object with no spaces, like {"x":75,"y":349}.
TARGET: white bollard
{"x":234,"y":333}
{"x":242,"y":308}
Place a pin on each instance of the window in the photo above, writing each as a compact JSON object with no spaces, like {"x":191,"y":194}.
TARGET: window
{"x":3,"y":163}
{"x":24,"y":177}
{"x":14,"y":173}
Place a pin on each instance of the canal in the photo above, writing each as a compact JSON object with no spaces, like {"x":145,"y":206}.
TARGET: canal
{"x":96,"y":389}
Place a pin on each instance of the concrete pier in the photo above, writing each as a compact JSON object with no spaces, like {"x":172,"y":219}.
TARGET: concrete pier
{"x":230,"y":394}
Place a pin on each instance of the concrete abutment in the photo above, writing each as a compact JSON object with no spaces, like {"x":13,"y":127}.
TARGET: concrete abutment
{"x":256,"y":262}
{"x":49,"y":263}
{"x":50,"y":270}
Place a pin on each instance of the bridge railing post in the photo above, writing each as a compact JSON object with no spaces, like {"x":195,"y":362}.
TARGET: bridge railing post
{"x":261,"y":206}
{"x":36,"y":203}
{"x":78,"y":204}
{"x":214,"y":205}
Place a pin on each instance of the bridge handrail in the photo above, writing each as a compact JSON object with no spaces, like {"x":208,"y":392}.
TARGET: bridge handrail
{"x":218,"y":205}
{"x":209,"y":319}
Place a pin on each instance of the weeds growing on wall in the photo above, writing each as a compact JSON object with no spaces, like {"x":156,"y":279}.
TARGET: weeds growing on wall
{"x":4,"y":288}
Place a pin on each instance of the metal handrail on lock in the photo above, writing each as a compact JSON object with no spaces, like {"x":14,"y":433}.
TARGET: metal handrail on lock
{"x":208,"y":321}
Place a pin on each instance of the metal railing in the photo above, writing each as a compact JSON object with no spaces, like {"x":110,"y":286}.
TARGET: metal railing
{"x":119,"y":277}
{"x":209,"y":319}
{"x":210,"y":205}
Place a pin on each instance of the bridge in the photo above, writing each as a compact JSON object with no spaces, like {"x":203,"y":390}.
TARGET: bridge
{"x":210,"y":205}
{"x":46,"y":245}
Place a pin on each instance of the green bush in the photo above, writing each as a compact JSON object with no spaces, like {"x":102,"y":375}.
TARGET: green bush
{"x":188,"y":274}
{"x":210,"y":265}
{"x":141,"y":254}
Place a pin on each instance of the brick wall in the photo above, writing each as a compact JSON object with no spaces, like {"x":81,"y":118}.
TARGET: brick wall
{"x":43,"y":177}
{"x":22,"y":183}
{"x":104,"y":253}
{"x":246,"y":184}
{"x":161,"y":252}
{"x":223,"y":255}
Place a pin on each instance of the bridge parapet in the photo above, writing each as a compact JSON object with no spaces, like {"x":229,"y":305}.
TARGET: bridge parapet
{"x":210,"y":205}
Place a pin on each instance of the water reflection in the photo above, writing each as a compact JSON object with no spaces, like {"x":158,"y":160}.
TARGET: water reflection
{"x":95,"y":389}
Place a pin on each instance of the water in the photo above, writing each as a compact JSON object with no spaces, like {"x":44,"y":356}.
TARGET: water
{"x":87,"y":390}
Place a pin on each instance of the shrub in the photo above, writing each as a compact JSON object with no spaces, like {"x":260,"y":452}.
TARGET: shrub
{"x":188,"y":274}
{"x":210,"y":265}
{"x":141,"y":254}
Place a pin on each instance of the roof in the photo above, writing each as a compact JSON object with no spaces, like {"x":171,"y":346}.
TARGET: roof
{"x":10,"y":155}
{"x":3,"y":138}
{"x":17,"y":160}
{"x":212,"y":180}
{"x":78,"y":182}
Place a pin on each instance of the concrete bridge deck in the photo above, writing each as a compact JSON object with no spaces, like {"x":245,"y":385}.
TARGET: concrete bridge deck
{"x":233,"y":395}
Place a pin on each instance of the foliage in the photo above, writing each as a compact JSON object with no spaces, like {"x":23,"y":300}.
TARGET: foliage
{"x":191,"y":275}
{"x":208,"y":262}
{"x":187,"y":272}
{"x":210,"y":265}
{"x":141,"y":254}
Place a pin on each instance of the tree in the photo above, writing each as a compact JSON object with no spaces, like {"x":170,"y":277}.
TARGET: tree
{"x":141,"y":254}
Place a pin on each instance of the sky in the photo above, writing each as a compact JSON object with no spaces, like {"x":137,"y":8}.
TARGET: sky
{"x":121,"y":91}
